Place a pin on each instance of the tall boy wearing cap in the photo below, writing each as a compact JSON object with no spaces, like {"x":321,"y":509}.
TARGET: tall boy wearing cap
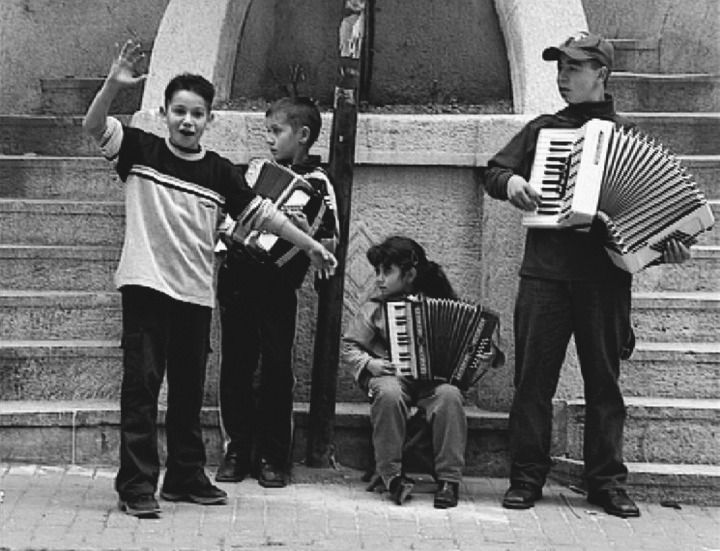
{"x":568,"y":286}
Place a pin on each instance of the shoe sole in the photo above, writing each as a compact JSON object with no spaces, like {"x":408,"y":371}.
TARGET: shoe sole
{"x":271,"y":484}
{"x":238,"y":478}
{"x":139,"y":513}
{"x":516,"y":505}
{"x":444,"y":505}
{"x":190,"y":498}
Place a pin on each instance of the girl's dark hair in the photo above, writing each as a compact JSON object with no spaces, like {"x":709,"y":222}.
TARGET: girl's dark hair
{"x":194,"y":83}
{"x":300,"y":111}
{"x":407,"y":254}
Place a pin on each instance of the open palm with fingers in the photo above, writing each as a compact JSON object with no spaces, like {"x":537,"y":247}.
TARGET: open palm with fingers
{"x":123,"y":70}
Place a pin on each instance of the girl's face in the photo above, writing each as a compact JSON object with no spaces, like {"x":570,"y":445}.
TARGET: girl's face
{"x":391,"y":281}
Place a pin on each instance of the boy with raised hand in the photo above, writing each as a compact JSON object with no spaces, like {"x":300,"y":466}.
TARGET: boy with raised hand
{"x":568,"y":286}
{"x":258,"y":310}
{"x":176,"y":193}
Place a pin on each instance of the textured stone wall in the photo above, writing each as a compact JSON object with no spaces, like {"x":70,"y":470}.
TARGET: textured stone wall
{"x":59,"y":38}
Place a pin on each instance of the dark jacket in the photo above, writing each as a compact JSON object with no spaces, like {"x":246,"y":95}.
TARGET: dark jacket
{"x":566,"y":254}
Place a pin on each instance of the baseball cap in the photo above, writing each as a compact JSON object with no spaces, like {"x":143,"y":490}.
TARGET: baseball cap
{"x":583,"y":46}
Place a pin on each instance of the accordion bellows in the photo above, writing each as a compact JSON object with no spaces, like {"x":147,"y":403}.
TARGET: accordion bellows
{"x":439,"y":340}
{"x":633,"y":184}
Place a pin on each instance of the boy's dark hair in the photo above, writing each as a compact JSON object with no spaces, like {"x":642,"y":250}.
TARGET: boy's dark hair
{"x":300,"y":111}
{"x":407,"y":253}
{"x":194,"y":83}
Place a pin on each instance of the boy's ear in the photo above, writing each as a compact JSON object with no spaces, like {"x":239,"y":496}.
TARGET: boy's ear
{"x":304,"y":135}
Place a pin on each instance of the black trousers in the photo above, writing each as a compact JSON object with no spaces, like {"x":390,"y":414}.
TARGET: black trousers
{"x":161,"y":334}
{"x":547,"y":313}
{"x":257,"y":313}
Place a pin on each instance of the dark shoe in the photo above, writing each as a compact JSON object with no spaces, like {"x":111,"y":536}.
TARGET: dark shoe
{"x":521,"y":495}
{"x":142,"y":506}
{"x":400,"y":488}
{"x":615,"y":502}
{"x":270,"y":476}
{"x":446,"y":495}
{"x":232,"y":469}
{"x":202,"y":492}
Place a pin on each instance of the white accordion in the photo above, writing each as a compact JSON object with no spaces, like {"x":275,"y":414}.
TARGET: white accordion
{"x":631,"y":183}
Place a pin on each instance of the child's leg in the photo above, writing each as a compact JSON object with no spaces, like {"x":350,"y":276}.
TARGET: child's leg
{"x":388,"y":415}
{"x":143,"y":344}
{"x":240,"y":355}
{"x":187,"y":350}
{"x":443,"y":407}
{"x":277,"y":380}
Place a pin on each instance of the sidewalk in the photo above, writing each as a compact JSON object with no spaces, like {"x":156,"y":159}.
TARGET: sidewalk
{"x":74,"y":508}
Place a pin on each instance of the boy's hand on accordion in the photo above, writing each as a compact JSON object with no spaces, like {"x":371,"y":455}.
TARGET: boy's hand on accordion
{"x":675,"y":252}
{"x":521,"y":194}
{"x":379,"y":367}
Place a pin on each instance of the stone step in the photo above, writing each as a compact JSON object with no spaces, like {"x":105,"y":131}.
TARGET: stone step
{"x":681,"y":133}
{"x":66,"y":268}
{"x":60,"y":370}
{"x":41,"y":222}
{"x":46,"y":135}
{"x":66,"y":178}
{"x":673,"y":370}
{"x":706,"y":171}
{"x":658,"y":92}
{"x":657,"y":430}
{"x":87,"y":432}
{"x":700,"y":273}
{"x":59,"y":315}
{"x":636,"y":54}
{"x":655,"y":482}
{"x":676,"y":316}
{"x":72,"y":96}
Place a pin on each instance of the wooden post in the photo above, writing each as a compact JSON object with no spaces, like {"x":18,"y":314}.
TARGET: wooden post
{"x":320,"y":449}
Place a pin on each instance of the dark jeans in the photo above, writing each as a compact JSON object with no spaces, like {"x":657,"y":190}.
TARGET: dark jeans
{"x":547,"y":313}
{"x":258,"y":332}
{"x":161,"y":334}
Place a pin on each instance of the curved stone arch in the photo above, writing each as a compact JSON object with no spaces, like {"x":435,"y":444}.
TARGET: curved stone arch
{"x":215,"y":28}
{"x":196,"y":37}
{"x":528,"y":28}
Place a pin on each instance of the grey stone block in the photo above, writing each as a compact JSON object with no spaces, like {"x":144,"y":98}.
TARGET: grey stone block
{"x":676,"y":317}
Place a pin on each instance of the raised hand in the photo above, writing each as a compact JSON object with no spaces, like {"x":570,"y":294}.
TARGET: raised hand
{"x":124,"y":68}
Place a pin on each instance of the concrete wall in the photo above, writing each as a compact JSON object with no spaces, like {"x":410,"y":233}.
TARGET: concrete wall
{"x":59,"y":38}
{"x":423,"y":51}
{"x":688,"y":33}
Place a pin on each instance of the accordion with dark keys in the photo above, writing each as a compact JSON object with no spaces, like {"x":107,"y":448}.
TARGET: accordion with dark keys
{"x":439,"y":340}
{"x":289,"y":192}
{"x":625,"y":179}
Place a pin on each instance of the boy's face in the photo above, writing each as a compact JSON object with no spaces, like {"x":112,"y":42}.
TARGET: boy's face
{"x":285,"y":142}
{"x":580,"y":81}
{"x":186,"y":116}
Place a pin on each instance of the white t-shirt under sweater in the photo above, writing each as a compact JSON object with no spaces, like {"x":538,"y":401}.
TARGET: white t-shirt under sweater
{"x":174,"y":202}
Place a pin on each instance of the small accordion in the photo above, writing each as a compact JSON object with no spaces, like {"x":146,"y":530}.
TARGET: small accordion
{"x":632,"y":184}
{"x":290,"y":193}
{"x":441,"y":340}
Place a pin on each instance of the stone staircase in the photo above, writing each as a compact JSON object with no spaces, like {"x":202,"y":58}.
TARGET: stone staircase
{"x":672,"y":382}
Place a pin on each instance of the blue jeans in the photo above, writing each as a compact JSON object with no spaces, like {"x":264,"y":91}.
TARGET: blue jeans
{"x":547,"y":313}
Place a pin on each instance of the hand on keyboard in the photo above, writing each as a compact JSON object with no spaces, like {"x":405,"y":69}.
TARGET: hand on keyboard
{"x":521,"y":194}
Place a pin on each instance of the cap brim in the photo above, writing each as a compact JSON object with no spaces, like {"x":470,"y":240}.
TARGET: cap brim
{"x":553,"y":54}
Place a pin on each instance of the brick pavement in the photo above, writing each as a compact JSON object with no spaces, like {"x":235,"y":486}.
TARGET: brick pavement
{"x":74,"y":508}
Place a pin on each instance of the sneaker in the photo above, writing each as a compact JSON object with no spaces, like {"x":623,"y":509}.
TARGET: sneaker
{"x":202,"y":492}
{"x":232,"y":469}
{"x":270,"y":476}
{"x":142,"y":506}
